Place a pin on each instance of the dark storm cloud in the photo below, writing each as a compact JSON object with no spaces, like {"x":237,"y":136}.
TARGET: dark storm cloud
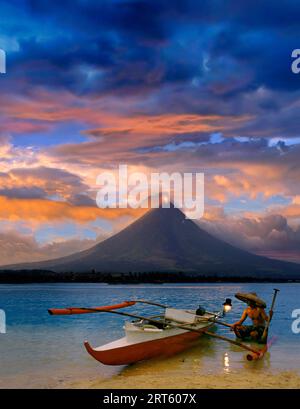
{"x":133,"y":46}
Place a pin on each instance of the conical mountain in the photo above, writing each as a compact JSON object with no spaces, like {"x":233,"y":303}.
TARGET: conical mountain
{"x":163,"y":240}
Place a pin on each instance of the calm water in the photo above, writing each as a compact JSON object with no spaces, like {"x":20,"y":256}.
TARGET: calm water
{"x":39,"y":350}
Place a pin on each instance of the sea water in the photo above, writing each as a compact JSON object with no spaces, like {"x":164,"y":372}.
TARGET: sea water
{"x":39,"y":350}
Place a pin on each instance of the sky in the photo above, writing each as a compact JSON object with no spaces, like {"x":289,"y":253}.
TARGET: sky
{"x":189,"y":86}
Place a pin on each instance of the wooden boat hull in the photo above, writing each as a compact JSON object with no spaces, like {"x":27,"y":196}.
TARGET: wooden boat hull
{"x":132,"y":353}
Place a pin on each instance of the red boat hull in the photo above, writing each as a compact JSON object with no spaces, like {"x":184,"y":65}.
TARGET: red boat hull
{"x":144,"y":350}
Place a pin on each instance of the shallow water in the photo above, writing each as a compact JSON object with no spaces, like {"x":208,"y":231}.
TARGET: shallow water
{"x":43,"y":351}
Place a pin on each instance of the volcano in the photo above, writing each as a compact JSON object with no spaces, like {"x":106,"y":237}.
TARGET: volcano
{"x":163,"y":240}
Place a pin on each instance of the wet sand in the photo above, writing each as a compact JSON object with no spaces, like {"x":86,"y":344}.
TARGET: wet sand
{"x":282,"y":380}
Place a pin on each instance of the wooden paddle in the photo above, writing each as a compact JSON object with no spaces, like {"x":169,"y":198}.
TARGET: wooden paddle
{"x":265,"y":333}
{"x":264,"y":337}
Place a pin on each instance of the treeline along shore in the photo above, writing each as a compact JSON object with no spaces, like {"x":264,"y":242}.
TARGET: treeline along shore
{"x":44,"y":276}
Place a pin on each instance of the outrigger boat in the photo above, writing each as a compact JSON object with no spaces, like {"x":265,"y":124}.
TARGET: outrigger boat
{"x":145,"y":339}
{"x":157,"y":336}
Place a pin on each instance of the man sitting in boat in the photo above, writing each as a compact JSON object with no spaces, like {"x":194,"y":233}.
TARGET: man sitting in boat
{"x":256,"y":312}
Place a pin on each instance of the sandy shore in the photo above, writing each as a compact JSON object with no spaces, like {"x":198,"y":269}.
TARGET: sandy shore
{"x":281,"y":380}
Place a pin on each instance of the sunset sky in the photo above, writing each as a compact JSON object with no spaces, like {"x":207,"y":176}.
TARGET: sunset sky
{"x":189,"y":86}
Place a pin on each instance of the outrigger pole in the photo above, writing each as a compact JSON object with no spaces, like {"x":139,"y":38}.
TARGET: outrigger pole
{"x":204,"y":319}
{"x":106,"y":308}
{"x":110,"y":310}
{"x":83,"y":310}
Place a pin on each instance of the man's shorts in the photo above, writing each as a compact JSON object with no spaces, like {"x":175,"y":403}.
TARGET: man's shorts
{"x":244,"y":331}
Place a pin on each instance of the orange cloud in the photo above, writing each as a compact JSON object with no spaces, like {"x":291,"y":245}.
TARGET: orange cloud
{"x":213,"y":213}
{"x":236,"y":184}
{"x":292,"y":211}
{"x":166,"y":124}
{"x":41,"y":210}
{"x":49,"y":107}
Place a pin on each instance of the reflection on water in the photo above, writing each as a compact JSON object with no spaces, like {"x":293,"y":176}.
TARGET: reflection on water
{"x":226,"y":363}
{"x":44,"y":351}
